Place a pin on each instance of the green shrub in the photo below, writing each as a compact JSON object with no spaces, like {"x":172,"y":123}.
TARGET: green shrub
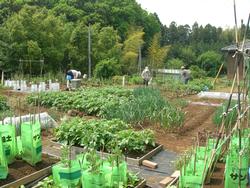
{"x":135,"y":80}
{"x":105,"y":69}
{"x":175,"y":63}
{"x":3,"y":104}
{"x":196,"y":72}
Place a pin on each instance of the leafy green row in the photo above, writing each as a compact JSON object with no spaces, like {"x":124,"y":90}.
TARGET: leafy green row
{"x":93,"y":101}
{"x":147,"y":104}
{"x":179,"y":88}
{"x":104,"y":135}
{"x":137,"y":106}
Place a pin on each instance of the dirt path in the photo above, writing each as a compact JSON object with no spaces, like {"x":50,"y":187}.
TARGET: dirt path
{"x":198,"y":119}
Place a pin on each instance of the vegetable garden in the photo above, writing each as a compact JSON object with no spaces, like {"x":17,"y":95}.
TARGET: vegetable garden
{"x":116,"y":128}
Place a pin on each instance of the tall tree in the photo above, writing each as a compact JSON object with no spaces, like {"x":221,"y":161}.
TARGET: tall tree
{"x":131,"y":47}
{"x":156,"y":53}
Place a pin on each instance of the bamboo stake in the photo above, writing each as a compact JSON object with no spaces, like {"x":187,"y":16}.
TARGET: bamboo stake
{"x":217,"y":75}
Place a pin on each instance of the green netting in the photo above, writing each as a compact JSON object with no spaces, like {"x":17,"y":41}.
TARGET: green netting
{"x":31,"y":142}
{"x":3,"y":161}
{"x":9,"y":141}
{"x":66,"y":177}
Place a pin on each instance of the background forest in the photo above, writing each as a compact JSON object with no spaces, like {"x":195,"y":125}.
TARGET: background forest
{"x":41,"y":36}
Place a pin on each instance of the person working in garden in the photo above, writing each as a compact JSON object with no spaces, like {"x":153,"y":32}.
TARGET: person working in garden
{"x":185,"y":75}
{"x":146,"y":76}
{"x":72,"y":74}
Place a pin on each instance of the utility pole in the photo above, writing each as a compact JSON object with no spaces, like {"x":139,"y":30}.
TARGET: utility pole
{"x":89,"y":50}
{"x":139,"y":60}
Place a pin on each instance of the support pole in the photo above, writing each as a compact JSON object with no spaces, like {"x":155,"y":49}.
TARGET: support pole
{"x":89,"y":50}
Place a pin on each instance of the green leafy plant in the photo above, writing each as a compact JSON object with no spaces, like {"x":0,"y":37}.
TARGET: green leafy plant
{"x":107,"y":68}
{"x":147,"y":104}
{"x":104,"y":135}
{"x":3,"y":104}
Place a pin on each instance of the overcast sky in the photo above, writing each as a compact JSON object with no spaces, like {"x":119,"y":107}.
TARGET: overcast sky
{"x":218,"y":13}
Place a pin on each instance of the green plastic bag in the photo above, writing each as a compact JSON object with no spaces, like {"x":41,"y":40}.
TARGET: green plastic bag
{"x":116,"y":175}
{"x":19,"y":148}
{"x":31,"y":142}
{"x":9,"y":141}
{"x":3,"y":161}
{"x":67,"y":177}
{"x":92,"y":180}
{"x":82,"y":160}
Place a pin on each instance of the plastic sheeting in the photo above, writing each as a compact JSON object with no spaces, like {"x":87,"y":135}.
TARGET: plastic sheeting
{"x":217,"y":95}
{"x":46,"y":120}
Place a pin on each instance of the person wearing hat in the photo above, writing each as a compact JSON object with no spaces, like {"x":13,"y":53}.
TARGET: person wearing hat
{"x":185,"y":75}
{"x":72,"y":74}
{"x":146,"y":76}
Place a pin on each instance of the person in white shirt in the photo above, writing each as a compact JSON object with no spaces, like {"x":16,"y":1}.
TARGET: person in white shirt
{"x":185,"y":75}
{"x":146,"y":76}
{"x":72,"y":74}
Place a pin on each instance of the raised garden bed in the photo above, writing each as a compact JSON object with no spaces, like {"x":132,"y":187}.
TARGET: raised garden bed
{"x":130,"y":159}
{"x":21,"y":173}
{"x":141,"y":184}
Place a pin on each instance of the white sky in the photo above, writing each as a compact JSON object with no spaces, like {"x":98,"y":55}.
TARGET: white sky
{"x":219,"y":13}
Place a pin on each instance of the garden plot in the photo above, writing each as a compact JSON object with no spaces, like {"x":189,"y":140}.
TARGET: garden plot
{"x":105,"y":135}
{"x":132,"y":106}
{"x":21,"y":173}
{"x":197,"y":118}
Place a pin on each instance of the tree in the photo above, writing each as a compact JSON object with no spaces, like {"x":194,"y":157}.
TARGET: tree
{"x":34,"y":33}
{"x":156,"y":53}
{"x":175,"y":63}
{"x":105,"y":69}
{"x":210,"y":62}
{"x":131,"y":47}
{"x":108,"y":44}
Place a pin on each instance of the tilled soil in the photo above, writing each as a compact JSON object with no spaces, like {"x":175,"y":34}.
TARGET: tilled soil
{"x":198,"y":119}
{"x":20,"y":169}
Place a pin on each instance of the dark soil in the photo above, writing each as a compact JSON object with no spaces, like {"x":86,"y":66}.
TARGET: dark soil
{"x":20,"y":169}
{"x":135,"y":154}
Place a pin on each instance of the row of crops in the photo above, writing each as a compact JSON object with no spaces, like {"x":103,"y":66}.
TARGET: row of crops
{"x":131,"y":106}
{"x":178,"y":88}
{"x":104,"y":135}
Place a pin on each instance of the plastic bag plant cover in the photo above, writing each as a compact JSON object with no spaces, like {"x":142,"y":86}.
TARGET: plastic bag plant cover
{"x":236,"y":170}
{"x":82,"y":159}
{"x":116,"y":175}
{"x":92,"y":179}
{"x":3,"y":161}
{"x":67,"y":177}
{"x":9,"y":141}
{"x":31,"y":142}
{"x":19,"y":148}
{"x":189,"y":180}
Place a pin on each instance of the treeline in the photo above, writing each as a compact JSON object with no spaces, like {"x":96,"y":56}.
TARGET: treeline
{"x":39,"y":36}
